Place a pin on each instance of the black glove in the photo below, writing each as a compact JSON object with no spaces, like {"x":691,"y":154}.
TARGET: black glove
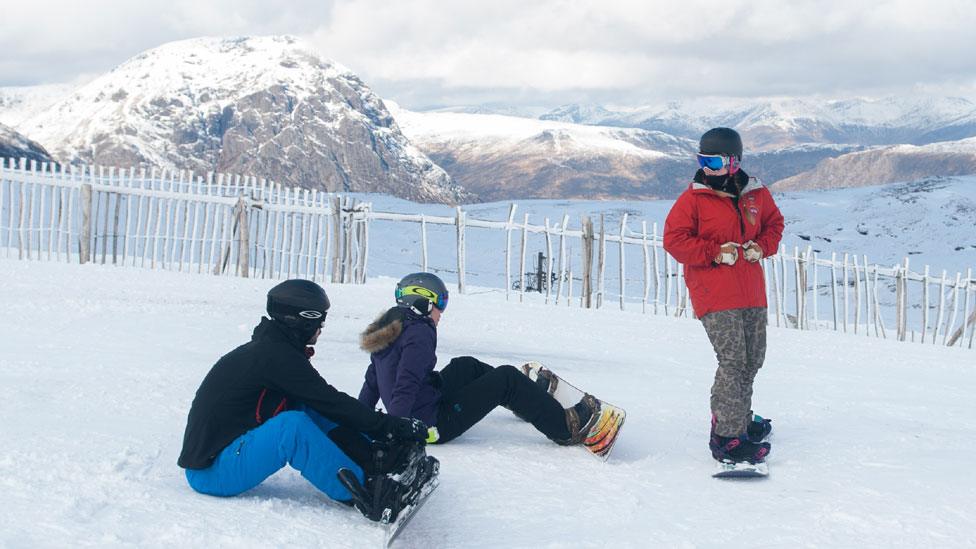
{"x":402,"y":428}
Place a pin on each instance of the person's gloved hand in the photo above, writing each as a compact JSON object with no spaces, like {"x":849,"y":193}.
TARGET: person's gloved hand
{"x":402,"y":428}
{"x":752,"y":252}
{"x":728,"y":254}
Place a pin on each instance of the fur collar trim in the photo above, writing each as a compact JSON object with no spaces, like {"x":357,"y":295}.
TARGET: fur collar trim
{"x":383,"y":331}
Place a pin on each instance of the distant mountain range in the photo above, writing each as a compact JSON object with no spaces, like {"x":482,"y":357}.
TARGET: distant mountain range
{"x":809,"y":144}
{"x":274,"y":108}
{"x":499,"y":157}
{"x":773,"y":124}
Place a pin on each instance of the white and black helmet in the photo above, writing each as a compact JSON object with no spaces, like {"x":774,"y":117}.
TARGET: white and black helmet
{"x":300,"y":305}
{"x":421,"y":292}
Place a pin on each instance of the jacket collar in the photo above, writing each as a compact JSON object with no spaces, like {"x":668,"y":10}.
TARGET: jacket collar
{"x":268,"y":329}
{"x":754,"y":184}
{"x":385,"y":330}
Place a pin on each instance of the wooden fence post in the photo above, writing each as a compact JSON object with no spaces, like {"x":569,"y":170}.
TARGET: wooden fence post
{"x":548,"y":262}
{"x":521,"y":273}
{"x":967,"y":318}
{"x":364,"y":245}
{"x":423,"y":243}
{"x":904,"y":301}
{"x":337,"y":239}
{"x":925,"y":302}
{"x":244,"y":253}
{"x":623,"y":277}
{"x":562,"y":256}
{"x":508,"y":250}
{"x":940,"y":317}
{"x":647,"y":267}
{"x":84,"y":249}
{"x":351,"y":241}
{"x":460,"y":248}
{"x":601,"y":263}
{"x":654,"y":253}
{"x":586,"y":293}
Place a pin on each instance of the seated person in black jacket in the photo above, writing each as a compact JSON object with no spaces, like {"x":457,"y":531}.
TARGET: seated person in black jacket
{"x":263,"y":405}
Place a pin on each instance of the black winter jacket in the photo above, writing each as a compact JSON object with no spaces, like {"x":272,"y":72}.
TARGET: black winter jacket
{"x":257,"y":380}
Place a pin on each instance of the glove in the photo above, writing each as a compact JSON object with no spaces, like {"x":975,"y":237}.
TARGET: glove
{"x":402,"y":428}
{"x":729,"y":254}
{"x":752,"y":252}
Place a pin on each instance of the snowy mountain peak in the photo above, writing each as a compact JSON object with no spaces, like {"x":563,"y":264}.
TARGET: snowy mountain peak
{"x":269,"y":106}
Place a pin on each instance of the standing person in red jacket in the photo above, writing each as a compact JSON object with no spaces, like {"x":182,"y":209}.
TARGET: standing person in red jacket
{"x":719,"y":229}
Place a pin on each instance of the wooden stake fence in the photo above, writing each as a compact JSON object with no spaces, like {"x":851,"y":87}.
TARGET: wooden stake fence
{"x":229,"y":225}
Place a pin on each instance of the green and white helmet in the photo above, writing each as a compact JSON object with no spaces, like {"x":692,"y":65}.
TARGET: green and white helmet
{"x":421,"y":292}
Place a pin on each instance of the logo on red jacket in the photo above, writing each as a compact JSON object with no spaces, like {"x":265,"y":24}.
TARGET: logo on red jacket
{"x":752,"y":214}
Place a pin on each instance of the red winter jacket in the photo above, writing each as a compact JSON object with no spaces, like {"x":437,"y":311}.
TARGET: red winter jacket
{"x":701,"y":220}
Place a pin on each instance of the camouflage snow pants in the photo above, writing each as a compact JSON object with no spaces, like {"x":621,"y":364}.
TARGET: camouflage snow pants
{"x":739,"y":339}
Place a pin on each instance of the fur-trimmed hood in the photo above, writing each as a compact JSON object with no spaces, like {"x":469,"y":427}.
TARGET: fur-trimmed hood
{"x":383,"y":331}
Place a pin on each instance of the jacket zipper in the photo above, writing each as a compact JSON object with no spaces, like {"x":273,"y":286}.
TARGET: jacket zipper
{"x":742,"y":223}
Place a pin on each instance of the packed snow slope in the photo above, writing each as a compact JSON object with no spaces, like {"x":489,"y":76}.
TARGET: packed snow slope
{"x":872,"y":443}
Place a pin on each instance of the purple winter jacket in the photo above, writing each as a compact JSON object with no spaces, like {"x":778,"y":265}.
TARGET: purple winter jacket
{"x":402,"y":347}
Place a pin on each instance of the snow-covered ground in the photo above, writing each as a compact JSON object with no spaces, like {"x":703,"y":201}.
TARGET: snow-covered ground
{"x":872,"y":444}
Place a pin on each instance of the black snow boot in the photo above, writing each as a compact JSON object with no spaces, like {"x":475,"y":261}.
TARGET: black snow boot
{"x":738,"y":449}
{"x":759,"y":428}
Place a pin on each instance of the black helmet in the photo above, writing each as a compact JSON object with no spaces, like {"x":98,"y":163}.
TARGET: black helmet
{"x":421,"y":292}
{"x":300,"y":305}
{"x":721,"y":141}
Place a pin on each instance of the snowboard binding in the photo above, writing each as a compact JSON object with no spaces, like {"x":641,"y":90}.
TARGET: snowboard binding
{"x":404,"y":479}
{"x":544,"y":378}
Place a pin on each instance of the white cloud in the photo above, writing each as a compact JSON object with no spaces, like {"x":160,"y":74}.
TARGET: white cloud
{"x":425,"y":52}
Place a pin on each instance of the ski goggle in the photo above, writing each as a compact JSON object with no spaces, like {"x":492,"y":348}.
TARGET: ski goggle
{"x":716,"y":162}
{"x":438,"y":300}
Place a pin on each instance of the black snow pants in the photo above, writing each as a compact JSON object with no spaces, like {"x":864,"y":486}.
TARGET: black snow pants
{"x":470,"y":389}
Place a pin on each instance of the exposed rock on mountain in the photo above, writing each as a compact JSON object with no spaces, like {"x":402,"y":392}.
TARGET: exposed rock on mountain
{"x":887,"y":165}
{"x":15,"y":145}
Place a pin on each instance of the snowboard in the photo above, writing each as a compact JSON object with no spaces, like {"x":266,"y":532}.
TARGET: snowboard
{"x":393,"y":528}
{"x":727,"y":469}
{"x":608,"y":420}
{"x":411,"y":487}
{"x":724,"y":469}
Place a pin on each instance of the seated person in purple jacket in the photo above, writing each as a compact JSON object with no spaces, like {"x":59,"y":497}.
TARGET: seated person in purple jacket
{"x":402,"y":344}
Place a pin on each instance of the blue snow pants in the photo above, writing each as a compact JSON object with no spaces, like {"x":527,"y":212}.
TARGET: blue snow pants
{"x":296,"y":438}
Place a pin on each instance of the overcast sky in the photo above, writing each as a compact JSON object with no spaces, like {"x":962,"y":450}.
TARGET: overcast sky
{"x":431,"y":53}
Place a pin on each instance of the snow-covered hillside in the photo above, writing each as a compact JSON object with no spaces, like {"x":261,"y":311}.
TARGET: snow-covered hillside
{"x":265,"y":106}
{"x":98,"y":366}
{"x":499,"y":157}
{"x":20,"y":104}
{"x":887,"y":164}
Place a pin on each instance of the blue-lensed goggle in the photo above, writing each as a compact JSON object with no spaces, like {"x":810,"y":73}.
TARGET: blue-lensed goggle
{"x":716,"y":162}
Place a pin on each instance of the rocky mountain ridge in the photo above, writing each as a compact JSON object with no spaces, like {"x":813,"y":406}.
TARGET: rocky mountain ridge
{"x":264,"y":106}
{"x":15,"y":145}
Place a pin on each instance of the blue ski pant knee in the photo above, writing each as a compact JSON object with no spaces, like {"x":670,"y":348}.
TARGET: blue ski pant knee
{"x":739,"y":339}
{"x":296,"y":438}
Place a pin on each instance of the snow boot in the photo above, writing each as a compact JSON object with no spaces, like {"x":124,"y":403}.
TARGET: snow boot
{"x":546,"y":380}
{"x":738,"y":449}
{"x":408,"y":469}
{"x":580,"y":419}
{"x":759,"y":428}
